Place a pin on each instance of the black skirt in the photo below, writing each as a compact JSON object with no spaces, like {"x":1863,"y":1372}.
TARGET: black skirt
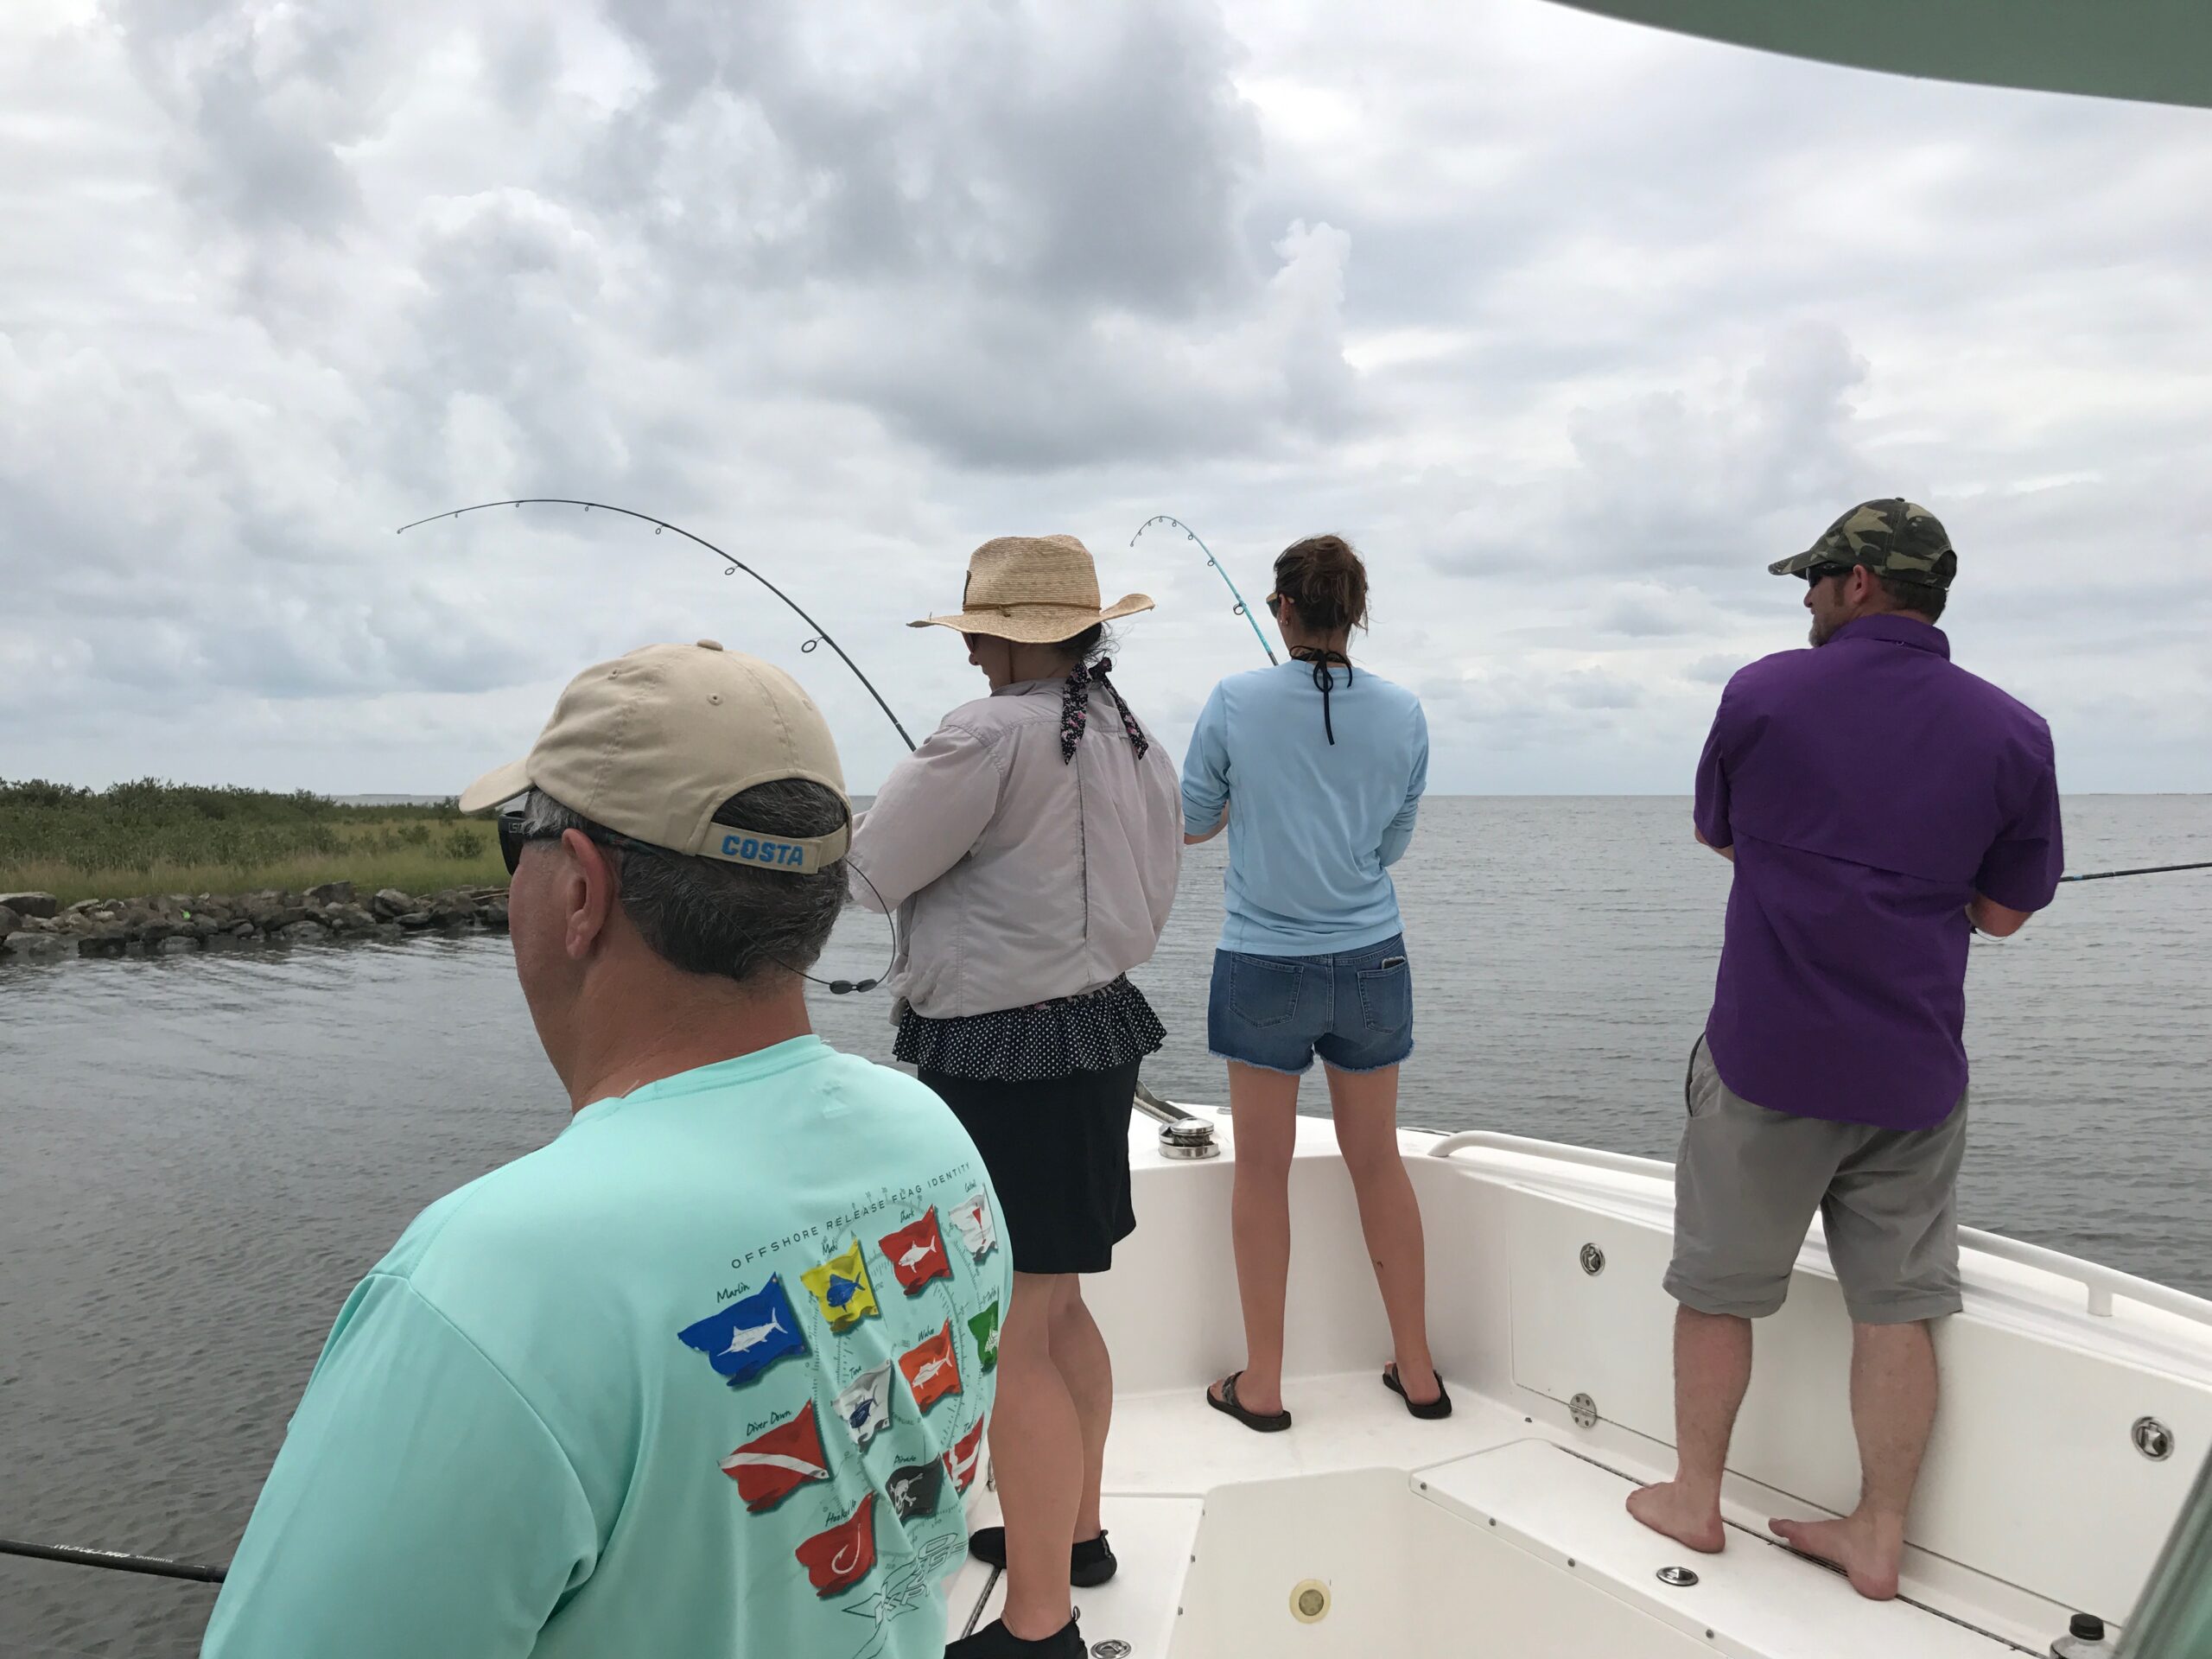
{"x":1057,"y":1153}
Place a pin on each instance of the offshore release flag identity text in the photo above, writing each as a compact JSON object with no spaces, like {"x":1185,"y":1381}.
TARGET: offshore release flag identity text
{"x":770,"y":1467}
{"x":865,"y":1404}
{"x":841,"y":1286}
{"x":931,"y":1369}
{"x":916,"y":1253}
{"x":967,"y":1452}
{"x":841,"y":1557}
{"x":746,"y":1338}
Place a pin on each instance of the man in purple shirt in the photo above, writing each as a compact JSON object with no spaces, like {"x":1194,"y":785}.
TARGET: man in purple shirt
{"x":1879,"y":804}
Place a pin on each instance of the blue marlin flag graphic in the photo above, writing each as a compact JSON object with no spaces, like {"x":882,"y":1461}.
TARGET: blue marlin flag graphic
{"x":746,"y":1338}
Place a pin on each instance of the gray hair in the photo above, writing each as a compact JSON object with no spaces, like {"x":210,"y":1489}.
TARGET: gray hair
{"x":707,"y":917}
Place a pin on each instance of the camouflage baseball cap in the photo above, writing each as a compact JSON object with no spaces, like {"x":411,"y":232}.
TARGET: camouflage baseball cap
{"x":1893,"y":537}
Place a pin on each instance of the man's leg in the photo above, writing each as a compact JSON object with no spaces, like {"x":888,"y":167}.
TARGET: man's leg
{"x":1263,"y":1109}
{"x":1365,"y":1107}
{"x":1037,"y":1455}
{"x":1087,"y":1370}
{"x":1712,"y":1367}
{"x":1892,"y":1410}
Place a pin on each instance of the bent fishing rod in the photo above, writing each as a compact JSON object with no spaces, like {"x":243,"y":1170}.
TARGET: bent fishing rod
{"x":1242,"y":609}
{"x":2148,"y":869}
{"x":820,"y":636}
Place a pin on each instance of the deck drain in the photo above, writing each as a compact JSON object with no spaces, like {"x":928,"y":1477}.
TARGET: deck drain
{"x":2152,"y":1439}
{"x":1680,"y":1577}
{"x":1309,"y":1601}
{"x":1111,"y":1649}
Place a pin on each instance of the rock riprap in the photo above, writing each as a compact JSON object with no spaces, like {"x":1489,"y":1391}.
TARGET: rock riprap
{"x":36,"y":927}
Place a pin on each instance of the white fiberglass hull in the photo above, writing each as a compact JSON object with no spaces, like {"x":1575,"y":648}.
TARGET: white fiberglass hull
{"x":1502,"y":1529}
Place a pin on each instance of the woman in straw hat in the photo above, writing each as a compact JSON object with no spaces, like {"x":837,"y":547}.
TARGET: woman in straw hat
{"x":1031,"y":847}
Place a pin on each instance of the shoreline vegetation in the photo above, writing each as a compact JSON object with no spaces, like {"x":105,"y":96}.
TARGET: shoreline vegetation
{"x":156,"y":867}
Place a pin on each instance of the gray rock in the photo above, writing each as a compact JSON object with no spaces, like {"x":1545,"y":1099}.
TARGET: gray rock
{"x":9,"y":921}
{"x":390,"y":902}
{"x":30,"y":905}
{"x":35,"y":947}
{"x":413,"y":920}
{"x":244,"y":930}
{"x":298,"y":932}
{"x":110,"y":943}
{"x":331,"y":893}
{"x":494,"y":915}
{"x":176,"y":946}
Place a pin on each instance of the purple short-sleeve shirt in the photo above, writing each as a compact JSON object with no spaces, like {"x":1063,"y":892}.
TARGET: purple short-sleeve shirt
{"x":1870,"y":789}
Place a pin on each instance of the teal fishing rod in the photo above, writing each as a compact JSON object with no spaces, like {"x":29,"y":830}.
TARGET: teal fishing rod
{"x":1242,"y":609}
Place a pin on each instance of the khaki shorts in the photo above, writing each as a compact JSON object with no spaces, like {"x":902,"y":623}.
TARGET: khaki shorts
{"x":1748,"y":1180}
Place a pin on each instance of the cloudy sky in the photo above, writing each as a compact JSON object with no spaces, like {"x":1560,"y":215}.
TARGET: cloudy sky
{"x":1569,"y":325}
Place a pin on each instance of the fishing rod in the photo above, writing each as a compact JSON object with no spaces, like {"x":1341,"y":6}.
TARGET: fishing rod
{"x":114,"y":1560}
{"x":1242,"y":609}
{"x":2148,"y":869}
{"x":820,"y":636}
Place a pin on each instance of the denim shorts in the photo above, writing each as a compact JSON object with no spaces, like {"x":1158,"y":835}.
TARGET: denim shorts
{"x":1355,"y":1009}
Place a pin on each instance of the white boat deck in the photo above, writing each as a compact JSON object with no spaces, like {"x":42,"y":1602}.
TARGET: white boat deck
{"x":1502,"y":1529}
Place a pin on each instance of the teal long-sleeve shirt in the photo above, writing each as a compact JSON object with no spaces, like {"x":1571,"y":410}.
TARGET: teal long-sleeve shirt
{"x":1313,"y":825}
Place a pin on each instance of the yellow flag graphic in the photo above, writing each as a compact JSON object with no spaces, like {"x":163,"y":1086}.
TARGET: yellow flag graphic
{"x":841,"y":1286}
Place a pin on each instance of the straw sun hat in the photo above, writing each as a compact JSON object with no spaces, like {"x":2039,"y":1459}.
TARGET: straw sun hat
{"x":1033,"y":589}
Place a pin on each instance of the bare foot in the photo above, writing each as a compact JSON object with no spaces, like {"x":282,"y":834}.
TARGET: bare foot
{"x":1865,"y":1547}
{"x":1667,"y":1508}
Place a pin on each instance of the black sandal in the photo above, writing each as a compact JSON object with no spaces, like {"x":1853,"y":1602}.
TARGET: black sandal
{"x":1226,"y":1400}
{"x":1439,"y":1406}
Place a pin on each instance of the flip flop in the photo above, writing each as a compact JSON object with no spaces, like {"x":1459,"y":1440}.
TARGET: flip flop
{"x":1226,"y":1400}
{"x":1439,"y":1406}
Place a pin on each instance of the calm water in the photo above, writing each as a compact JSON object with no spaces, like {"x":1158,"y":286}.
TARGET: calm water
{"x":198,"y":1157}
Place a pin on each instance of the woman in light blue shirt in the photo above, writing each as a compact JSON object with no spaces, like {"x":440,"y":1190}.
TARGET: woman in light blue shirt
{"x":1316,"y":768}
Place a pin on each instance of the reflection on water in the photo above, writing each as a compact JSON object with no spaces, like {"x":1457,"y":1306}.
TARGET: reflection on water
{"x":201,"y":1155}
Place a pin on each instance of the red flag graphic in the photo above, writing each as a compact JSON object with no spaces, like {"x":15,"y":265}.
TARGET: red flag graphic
{"x":840,"y":1558}
{"x":916,"y":1252}
{"x":932,"y":1371}
{"x":771,"y":1467}
{"x":967,"y":1452}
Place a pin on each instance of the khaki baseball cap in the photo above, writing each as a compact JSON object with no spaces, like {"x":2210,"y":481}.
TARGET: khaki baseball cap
{"x":651,"y":744}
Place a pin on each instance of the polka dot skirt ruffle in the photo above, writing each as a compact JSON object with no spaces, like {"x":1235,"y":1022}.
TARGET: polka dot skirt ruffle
{"x":1094,"y":1031}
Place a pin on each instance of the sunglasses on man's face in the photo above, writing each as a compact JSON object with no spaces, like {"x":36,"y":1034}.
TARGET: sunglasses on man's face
{"x":514,"y":837}
{"x":1820,"y":572}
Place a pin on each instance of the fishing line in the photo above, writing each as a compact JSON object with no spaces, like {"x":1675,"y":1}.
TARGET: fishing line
{"x":1242,"y":609}
{"x":820,"y":636}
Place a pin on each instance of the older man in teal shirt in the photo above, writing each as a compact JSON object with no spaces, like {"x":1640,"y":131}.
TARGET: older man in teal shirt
{"x":708,"y":1374}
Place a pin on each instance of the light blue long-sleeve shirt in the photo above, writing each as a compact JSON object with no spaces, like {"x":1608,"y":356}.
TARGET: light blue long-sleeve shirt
{"x":1313,"y":827}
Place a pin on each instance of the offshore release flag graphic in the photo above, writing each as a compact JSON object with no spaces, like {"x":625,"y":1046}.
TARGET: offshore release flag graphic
{"x":865,"y":1404}
{"x":840,"y":1558}
{"x":972,"y":1217}
{"x":770,"y":1467}
{"x":841,"y":1286}
{"x":985,"y":1325}
{"x":967,"y":1452}
{"x":915,"y":1489}
{"x":932,"y":1371}
{"x":749,"y":1335}
{"x":916,"y":1253}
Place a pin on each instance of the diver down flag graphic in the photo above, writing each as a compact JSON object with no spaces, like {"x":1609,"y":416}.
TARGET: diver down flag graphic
{"x":972,"y":1217}
{"x":915,"y":1489}
{"x":917,"y":1253}
{"x":749,"y":1335}
{"x":967,"y":1452}
{"x":841,"y":1286}
{"x":840,"y":1558}
{"x":931,"y":1369}
{"x":985,"y":1325}
{"x":865,"y":1405}
{"x":770,"y":1467}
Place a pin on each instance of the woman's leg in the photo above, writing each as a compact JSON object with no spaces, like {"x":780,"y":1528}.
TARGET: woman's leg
{"x":1037,"y":1455}
{"x":1080,"y":1356}
{"x":1365,"y":1107}
{"x":1263,"y":1106}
